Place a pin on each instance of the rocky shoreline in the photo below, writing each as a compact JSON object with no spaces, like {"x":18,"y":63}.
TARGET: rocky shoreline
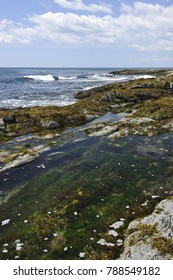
{"x":141,"y":107}
{"x":148,"y":104}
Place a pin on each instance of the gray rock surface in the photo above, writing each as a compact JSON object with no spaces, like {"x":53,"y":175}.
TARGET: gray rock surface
{"x":151,"y":238}
{"x":2,"y":125}
{"x":49,"y":124}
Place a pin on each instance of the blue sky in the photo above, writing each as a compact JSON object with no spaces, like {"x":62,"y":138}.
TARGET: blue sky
{"x":84,"y":33}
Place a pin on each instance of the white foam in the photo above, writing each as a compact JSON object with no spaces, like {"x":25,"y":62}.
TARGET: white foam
{"x":46,"y":78}
{"x":67,"y":78}
{"x":143,"y":77}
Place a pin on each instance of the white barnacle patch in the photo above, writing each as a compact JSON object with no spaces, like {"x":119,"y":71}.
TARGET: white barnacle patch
{"x":55,"y":234}
{"x":65,"y":249}
{"x":5,"y":222}
{"x":75,"y":213}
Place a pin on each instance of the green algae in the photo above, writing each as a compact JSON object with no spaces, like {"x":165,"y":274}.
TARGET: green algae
{"x":71,"y":205}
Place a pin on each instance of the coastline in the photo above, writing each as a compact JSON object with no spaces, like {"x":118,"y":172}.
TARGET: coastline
{"x":30,"y":134}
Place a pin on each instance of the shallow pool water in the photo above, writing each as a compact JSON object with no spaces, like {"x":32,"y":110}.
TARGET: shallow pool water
{"x":66,"y":202}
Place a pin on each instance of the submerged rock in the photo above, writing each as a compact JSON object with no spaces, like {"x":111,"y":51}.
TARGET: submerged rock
{"x":151,"y":238}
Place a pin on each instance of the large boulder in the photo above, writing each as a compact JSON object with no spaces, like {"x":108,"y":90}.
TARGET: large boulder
{"x":151,"y":238}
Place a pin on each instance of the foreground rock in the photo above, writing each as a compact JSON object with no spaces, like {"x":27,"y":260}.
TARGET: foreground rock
{"x":151,"y":238}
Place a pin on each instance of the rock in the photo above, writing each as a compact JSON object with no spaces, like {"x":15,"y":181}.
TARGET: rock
{"x":20,"y":160}
{"x":2,"y":125}
{"x":49,"y":124}
{"x":9,"y":119}
{"x":151,"y":238}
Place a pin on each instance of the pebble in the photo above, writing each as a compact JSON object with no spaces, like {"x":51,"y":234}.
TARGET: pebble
{"x":5,"y":222}
{"x":5,"y":251}
{"x":82,"y":255}
{"x":103,"y":243}
{"x":155,"y":196}
{"x":117,"y":224}
{"x":113,"y":232}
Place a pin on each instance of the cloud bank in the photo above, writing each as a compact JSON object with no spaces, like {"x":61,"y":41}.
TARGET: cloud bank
{"x":141,"y":26}
{"x":79,"y":5}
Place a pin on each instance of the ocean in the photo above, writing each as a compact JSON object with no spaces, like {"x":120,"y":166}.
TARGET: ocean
{"x":28,"y":87}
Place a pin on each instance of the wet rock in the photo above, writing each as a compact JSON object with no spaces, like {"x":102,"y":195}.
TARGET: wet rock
{"x":2,"y":125}
{"x":9,"y":119}
{"x":49,"y":124}
{"x":151,"y":237}
{"x":20,"y":160}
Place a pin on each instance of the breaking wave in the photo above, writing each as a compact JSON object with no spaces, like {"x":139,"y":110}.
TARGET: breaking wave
{"x":89,"y":78}
{"x":46,"y":78}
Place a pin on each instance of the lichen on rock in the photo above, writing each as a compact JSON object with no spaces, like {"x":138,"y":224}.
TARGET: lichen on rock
{"x":151,"y":238}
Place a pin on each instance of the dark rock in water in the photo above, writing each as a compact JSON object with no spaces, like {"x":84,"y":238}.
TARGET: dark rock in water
{"x":9,"y":119}
{"x":56,"y":77}
{"x":49,"y":124}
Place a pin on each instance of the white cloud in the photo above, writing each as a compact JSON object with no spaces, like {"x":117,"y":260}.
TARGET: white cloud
{"x":11,"y":32}
{"x":72,"y":28}
{"x":79,"y":5}
{"x":141,"y":26}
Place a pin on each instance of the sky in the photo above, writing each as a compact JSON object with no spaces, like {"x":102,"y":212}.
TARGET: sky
{"x":85,"y":33}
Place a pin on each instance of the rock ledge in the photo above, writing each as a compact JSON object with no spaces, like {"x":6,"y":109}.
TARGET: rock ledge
{"x":151,"y":238}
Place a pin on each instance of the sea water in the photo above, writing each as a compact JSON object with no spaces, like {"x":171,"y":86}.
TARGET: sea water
{"x":28,"y":87}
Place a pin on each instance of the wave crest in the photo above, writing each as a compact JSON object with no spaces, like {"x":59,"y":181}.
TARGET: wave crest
{"x":46,"y":78}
